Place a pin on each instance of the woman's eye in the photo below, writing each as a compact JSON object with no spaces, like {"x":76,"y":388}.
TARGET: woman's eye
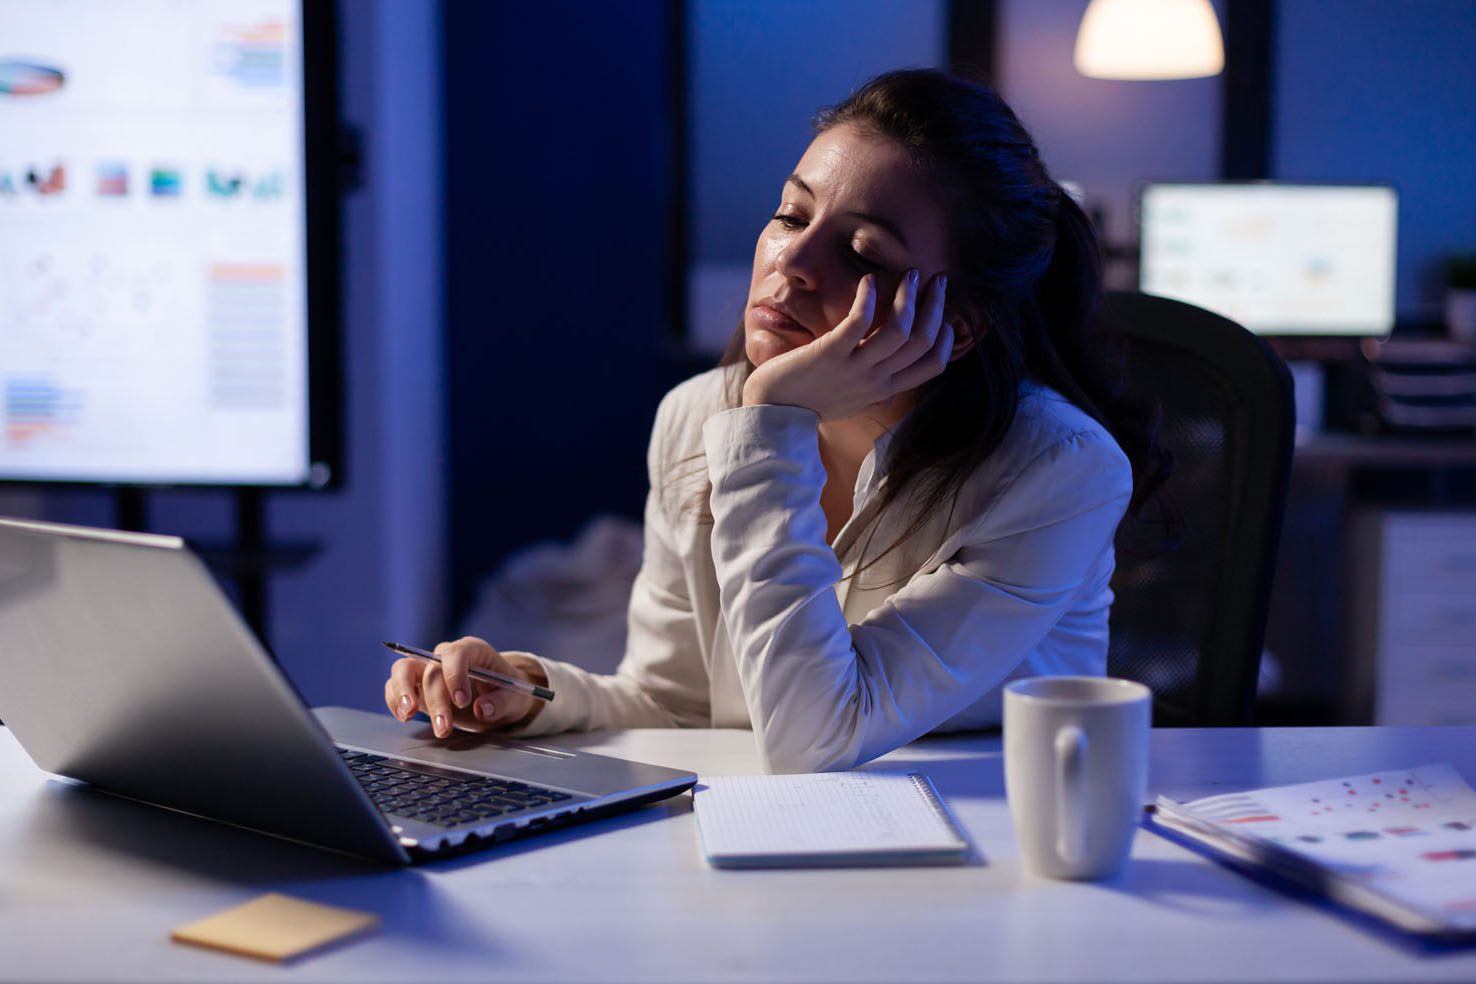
{"x":794,"y":223}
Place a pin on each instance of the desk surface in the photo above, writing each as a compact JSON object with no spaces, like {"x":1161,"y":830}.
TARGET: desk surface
{"x":90,"y":887}
{"x":1387,"y":451}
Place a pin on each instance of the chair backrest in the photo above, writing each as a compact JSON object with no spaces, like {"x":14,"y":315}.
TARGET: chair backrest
{"x":1189,"y":619}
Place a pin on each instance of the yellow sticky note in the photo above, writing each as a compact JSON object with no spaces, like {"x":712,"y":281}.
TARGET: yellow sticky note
{"x":275,"y":927}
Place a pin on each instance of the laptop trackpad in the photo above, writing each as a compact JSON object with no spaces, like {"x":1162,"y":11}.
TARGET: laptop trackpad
{"x":383,"y":734}
{"x":472,"y":746}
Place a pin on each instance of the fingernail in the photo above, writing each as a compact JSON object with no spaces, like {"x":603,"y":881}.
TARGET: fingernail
{"x":440,"y":724}
{"x":460,"y":697}
{"x":942,"y":282}
{"x":486,"y":709}
{"x":405,"y":705}
{"x":912,"y":278}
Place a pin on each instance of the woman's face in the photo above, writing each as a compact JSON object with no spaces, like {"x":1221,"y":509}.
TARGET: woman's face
{"x":853,"y":206}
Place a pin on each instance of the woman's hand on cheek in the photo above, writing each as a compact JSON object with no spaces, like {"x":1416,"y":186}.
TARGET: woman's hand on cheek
{"x":852,"y":367}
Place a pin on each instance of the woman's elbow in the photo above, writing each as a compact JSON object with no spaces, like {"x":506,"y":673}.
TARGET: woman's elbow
{"x":787,"y":755}
{"x":813,"y":737}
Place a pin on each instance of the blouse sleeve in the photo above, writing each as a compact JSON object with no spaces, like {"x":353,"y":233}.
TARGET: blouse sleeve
{"x":662,"y":681}
{"x":823,"y":694}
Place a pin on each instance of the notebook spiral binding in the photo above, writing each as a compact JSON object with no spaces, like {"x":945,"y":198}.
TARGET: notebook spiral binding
{"x":940,"y":806}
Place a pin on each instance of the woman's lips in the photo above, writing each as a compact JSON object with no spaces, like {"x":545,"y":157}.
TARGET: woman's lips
{"x":776,"y":320}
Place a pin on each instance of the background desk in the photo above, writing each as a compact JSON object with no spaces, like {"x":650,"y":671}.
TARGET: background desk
{"x":90,"y":887}
{"x":1324,"y":577}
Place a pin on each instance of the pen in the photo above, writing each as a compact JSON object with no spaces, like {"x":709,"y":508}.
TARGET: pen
{"x":486,"y":676}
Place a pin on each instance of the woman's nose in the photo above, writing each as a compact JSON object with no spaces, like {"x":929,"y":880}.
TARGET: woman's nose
{"x":798,"y":262}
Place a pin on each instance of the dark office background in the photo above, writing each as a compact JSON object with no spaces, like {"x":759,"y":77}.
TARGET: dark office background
{"x":541,"y":182}
{"x":561,"y":170}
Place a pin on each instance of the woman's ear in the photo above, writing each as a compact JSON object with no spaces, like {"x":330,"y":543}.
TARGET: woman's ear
{"x":964,"y":336}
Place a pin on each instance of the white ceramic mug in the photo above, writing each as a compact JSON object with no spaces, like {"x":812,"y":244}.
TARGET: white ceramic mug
{"x":1076,"y":767}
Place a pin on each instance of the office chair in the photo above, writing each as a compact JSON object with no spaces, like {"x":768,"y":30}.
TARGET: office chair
{"x":1189,"y":617}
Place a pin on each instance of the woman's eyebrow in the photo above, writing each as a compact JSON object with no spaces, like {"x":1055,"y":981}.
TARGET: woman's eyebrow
{"x":877,"y":220}
{"x":799,"y":183}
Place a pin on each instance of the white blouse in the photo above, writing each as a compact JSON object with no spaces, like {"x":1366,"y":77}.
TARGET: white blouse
{"x":743,"y":615}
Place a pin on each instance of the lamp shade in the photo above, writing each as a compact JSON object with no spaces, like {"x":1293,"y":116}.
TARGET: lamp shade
{"x":1149,"y":39}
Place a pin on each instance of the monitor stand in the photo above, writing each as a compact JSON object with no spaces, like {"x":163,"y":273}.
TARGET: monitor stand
{"x":248,"y":560}
{"x":1308,"y":396}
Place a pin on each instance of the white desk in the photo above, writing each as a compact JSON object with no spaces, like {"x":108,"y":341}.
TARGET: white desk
{"x":90,"y":887}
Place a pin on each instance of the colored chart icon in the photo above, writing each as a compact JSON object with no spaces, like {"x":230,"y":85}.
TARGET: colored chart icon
{"x":165,"y":182}
{"x":112,"y":179}
{"x":18,"y":78}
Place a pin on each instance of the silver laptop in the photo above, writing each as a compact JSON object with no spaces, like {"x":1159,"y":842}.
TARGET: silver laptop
{"x":125,"y":666}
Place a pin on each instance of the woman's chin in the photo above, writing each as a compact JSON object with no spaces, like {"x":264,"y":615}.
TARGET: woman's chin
{"x":761,"y":345}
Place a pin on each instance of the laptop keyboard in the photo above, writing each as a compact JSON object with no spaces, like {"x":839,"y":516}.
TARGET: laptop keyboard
{"x":442,"y":796}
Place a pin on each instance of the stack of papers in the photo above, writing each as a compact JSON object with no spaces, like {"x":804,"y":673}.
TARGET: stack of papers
{"x":1399,"y":845}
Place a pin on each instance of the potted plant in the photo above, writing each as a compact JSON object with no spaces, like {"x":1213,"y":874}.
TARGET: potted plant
{"x":1460,"y":297}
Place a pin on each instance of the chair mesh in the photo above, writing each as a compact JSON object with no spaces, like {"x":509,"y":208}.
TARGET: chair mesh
{"x":1170,"y":563}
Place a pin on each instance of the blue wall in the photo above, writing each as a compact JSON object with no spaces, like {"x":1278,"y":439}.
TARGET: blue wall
{"x":759,"y":71}
{"x":1369,"y":90}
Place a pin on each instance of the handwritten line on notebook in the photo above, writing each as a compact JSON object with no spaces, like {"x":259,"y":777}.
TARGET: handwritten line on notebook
{"x":826,"y":819}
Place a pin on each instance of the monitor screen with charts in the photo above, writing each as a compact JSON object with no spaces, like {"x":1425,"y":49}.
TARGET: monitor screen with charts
{"x":160,"y":257}
{"x":1280,"y":259}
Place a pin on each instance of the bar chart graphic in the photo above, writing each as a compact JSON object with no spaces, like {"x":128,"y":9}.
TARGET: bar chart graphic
{"x":36,"y":408}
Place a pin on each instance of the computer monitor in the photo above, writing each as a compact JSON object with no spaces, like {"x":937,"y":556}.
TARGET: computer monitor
{"x":169,"y":261}
{"x":1278,"y":258}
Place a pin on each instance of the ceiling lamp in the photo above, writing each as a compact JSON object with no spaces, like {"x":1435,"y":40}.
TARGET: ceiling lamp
{"x":1149,"y":39}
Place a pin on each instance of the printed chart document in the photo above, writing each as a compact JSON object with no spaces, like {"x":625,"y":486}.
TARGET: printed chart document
{"x":1398,"y":845}
{"x":829,"y":819}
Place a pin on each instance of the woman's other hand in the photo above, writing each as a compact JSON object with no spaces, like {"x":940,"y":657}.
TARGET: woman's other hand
{"x":449,"y":696}
{"x":863,"y":361}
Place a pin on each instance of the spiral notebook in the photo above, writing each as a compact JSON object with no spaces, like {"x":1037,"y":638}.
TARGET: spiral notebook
{"x":828,"y":819}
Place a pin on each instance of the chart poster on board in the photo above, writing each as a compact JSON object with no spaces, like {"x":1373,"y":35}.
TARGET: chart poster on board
{"x":153,"y":301}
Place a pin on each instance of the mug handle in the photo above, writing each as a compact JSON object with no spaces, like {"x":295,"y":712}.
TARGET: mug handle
{"x":1071,"y":746}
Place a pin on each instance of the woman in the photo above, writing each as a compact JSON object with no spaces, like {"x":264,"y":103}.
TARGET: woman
{"x":901,"y":488}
